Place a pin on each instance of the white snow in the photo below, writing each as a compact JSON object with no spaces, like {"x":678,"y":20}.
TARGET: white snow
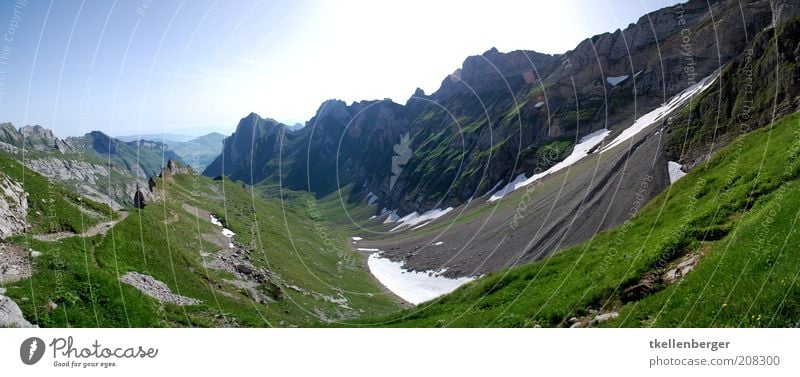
{"x":539,"y":104}
{"x":393,"y":216}
{"x":373,"y":216}
{"x":371,"y":198}
{"x":645,"y":120}
{"x":415,"y":218}
{"x":675,"y":172}
{"x":438,"y":243}
{"x":581,"y":150}
{"x":614,"y":80}
{"x":225,"y":231}
{"x":637,"y":73}
{"x":356,"y":238}
{"x":215,"y":221}
{"x":494,"y":188}
{"x":367,"y":249}
{"x":412,"y":286}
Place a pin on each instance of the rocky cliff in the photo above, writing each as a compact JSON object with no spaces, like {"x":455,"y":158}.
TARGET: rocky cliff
{"x":13,"y":207}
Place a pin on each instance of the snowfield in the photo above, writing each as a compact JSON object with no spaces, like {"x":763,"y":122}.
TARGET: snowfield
{"x":614,"y":80}
{"x":646,"y":120}
{"x":581,"y":150}
{"x":412,"y":286}
{"x":675,"y":172}
{"x":414,"y":218}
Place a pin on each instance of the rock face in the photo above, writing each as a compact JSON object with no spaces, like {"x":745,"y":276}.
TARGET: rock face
{"x":34,"y":138}
{"x":13,"y":207}
{"x":10,"y":315}
{"x":86,"y":163}
{"x":156,"y":289}
{"x":69,"y":170}
{"x":491,"y":119}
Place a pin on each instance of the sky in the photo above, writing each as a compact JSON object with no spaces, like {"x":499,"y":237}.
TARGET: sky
{"x":128,"y":67}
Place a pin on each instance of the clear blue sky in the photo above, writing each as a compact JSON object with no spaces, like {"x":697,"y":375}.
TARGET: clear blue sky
{"x":198,"y":66}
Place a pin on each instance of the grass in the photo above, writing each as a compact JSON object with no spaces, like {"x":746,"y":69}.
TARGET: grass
{"x":738,"y":212}
{"x":51,"y":207}
{"x":164,"y":240}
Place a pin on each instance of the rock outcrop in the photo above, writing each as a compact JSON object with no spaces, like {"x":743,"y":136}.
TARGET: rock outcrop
{"x":13,"y":207}
{"x":156,"y":289}
{"x":11,"y":315}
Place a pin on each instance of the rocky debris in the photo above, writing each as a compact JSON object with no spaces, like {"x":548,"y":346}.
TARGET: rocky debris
{"x":592,"y":319}
{"x":13,"y":207}
{"x":11,"y":315}
{"x":681,"y":269}
{"x":646,"y":285}
{"x":156,"y":289}
{"x":14,"y":264}
{"x":603,"y":318}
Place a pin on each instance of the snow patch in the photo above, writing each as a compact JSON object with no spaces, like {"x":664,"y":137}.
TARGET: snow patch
{"x":215,"y":221}
{"x":412,"y":286}
{"x":646,"y":120}
{"x":438,"y":243}
{"x":356,"y":238}
{"x":225,"y":231}
{"x":371,"y":198}
{"x":675,"y":172}
{"x":539,"y":104}
{"x":414,"y":218}
{"x":581,"y":150}
{"x":393,"y":216}
{"x":494,"y":188}
{"x":367,"y":249}
{"x":614,"y":80}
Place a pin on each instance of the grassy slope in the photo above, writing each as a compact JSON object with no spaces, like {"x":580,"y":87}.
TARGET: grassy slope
{"x":738,"y":211}
{"x":80,"y":275}
{"x":52,"y":208}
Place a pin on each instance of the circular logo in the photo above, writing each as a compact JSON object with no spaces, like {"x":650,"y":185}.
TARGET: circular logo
{"x":31,"y":350}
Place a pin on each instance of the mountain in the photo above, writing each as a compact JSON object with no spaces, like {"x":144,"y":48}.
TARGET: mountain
{"x":97,"y":166}
{"x":167,"y":138}
{"x":648,"y":177}
{"x":690,"y":258}
{"x":518,"y":155}
{"x":199,"y":152}
{"x":491,"y":120}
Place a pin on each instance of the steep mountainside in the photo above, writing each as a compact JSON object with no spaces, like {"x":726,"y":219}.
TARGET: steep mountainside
{"x":95,"y":165}
{"x":715,"y":250}
{"x":495,"y":117}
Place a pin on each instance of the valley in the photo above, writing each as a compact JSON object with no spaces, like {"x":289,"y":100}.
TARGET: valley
{"x":618,"y":184}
